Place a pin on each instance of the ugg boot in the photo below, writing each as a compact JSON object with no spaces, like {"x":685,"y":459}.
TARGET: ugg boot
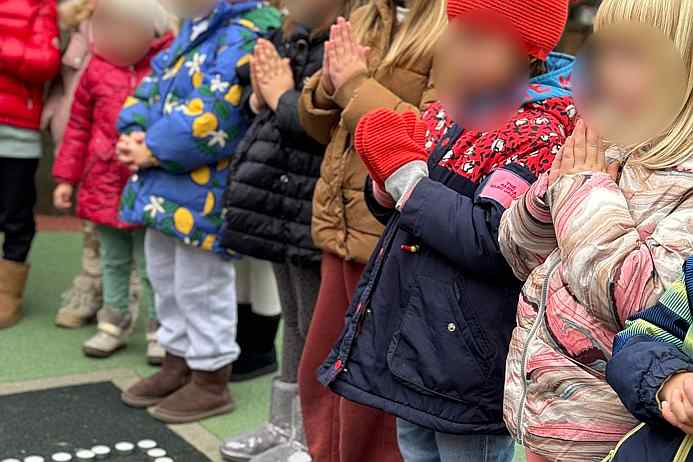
{"x":84,"y":299}
{"x":206,"y":395}
{"x":272,"y":434}
{"x":81,"y":302}
{"x":173,"y":376}
{"x":293,"y":451}
{"x":256,"y":337}
{"x":155,"y":352}
{"x":113,"y":331}
{"x":13,"y":277}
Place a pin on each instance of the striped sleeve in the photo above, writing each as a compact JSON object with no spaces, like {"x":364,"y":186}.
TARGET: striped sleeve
{"x":526,"y":232}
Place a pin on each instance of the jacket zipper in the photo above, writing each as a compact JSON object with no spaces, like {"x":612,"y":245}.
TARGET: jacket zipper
{"x":525,"y":353}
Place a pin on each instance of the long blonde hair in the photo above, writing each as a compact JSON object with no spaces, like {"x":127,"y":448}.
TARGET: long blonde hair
{"x":416,"y":37}
{"x":674,"y":18}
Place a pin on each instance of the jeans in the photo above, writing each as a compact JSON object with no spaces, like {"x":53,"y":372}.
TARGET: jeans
{"x":418,"y":444}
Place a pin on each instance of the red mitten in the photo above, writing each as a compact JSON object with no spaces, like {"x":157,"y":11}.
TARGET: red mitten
{"x":386,"y":140}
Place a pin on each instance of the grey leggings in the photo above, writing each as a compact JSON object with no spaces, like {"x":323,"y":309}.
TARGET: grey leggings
{"x":298,"y":290}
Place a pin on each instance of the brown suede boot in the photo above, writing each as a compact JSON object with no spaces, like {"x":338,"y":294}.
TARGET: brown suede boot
{"x":173,"y":376}
{"x":205,"y":396}
{"x":13,"y":277}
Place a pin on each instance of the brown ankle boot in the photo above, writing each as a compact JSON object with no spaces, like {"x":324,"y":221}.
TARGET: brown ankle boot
{"x":205,"y":396}
{"x":173,"y":376}
{"x":13,"y":277}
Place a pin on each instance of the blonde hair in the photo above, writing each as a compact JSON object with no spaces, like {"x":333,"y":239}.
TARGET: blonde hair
{"x":72,"y":12}
{"x":416,"y":37}
{"x":674,"y":18}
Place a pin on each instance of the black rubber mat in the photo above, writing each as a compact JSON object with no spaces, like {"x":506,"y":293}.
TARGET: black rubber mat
{"x":67,"y":419}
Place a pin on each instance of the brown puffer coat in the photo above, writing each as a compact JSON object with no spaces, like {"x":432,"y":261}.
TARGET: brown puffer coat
{"x":342,"y":223}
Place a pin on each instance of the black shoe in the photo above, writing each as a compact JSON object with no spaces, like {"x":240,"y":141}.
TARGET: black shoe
{"x":256,"y":337}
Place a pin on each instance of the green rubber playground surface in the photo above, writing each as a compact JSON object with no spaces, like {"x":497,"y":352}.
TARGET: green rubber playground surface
{"x":37,"y":350}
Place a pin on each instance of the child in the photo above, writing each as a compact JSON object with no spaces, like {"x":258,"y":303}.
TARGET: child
{"x":269,"y":204}
{"x":180,"y":131}
{"x":428,"y":330}
{"x":84,"y":298}
{"x":29,"y":58}
{"x":87,"y":156}
{"x":596,"y":248}
{"x":394,"y":71}
{"x":651,"y":371}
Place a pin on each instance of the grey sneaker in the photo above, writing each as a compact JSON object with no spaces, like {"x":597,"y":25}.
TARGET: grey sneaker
{"x":295,"y":450}
{"x":112,"y":335}
{"x":275,"y":433}
{"x":155,"y":352}
{"x":81,"y":302}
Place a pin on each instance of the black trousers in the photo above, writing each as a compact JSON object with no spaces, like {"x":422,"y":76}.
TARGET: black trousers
{"x":17,"y":202}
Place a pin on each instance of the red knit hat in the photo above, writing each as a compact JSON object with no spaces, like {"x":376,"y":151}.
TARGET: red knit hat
{"x":538,"y":23}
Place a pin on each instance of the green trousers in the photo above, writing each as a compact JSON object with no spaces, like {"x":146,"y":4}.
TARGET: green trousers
{"x":119,"y":250}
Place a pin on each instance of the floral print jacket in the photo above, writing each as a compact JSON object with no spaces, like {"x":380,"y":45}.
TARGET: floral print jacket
{"x":190,"y":109}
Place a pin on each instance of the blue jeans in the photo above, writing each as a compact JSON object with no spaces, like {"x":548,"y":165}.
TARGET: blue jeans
{"x":419,"y":444}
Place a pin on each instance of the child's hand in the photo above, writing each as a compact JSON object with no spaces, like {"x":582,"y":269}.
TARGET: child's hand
{"x":62,"y":196}
{"x":273,"y":74}
{"x":347,"y":58}
{"x":134,"y":153}
{"x":583,"y":152}
{"x":677,"y":402}
{"x":326,"y":77}
{"x":257,"y":100}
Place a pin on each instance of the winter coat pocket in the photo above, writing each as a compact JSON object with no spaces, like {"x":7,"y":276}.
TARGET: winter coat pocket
{"x":440,"y":348}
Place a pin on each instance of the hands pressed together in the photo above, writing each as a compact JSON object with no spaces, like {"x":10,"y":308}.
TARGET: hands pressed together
{"x":344,"y":57}
{"x":271,"y":76}
{"x":583,"y":152}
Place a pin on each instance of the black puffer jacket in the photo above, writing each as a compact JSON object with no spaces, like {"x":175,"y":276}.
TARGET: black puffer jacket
{"x":269,"y":199}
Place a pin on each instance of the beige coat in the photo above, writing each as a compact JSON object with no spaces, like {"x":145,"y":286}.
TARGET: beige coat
{"x":342,"y":223}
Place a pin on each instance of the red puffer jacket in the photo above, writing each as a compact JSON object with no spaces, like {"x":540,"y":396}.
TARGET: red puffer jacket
{"x":87,"y":155}
{"x":29,"y":57}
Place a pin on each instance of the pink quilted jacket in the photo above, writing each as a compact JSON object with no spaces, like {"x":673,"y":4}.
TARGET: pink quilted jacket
{"x":56,"y":112}
{"x":593,"y":253}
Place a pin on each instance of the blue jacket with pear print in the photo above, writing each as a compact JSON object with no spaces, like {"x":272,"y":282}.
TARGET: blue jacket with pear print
{"x":190,"y":109}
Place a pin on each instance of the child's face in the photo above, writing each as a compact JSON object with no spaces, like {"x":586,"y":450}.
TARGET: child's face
{"x":312,"y":13}
{"x":190,"y":8}
{"x":629,"y":83}
{"x":481,"y":67}
{"x":623,"y":76}
{"x":119,"y":39}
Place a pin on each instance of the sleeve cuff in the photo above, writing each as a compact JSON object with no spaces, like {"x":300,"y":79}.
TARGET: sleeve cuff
{"x":323,"y":100}
{"x":535,"y":200}
{"x":415,"y":203}
{"x":344,"y":95}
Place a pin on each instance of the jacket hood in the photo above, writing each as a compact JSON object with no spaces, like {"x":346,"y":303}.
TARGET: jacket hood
{"x":555,"y":83}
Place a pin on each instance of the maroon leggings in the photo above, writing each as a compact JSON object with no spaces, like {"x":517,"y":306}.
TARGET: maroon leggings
{"x":338,"y":430}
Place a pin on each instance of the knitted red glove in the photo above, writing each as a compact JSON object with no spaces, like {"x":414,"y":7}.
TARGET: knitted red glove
{"x":387,"y":140}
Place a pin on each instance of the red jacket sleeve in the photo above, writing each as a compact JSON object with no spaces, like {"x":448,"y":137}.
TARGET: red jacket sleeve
{"x":69,"y":164}
{"x":36,"y":59}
